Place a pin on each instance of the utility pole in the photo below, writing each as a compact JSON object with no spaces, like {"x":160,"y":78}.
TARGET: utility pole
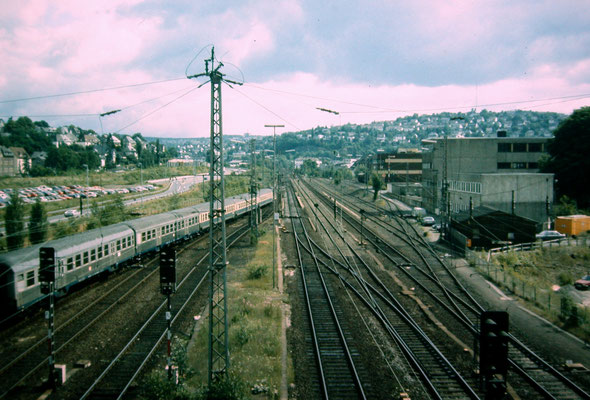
{"x":218,"y":364}
{"x":274,"y":190}
{"x":445,"y":188}
{"x":253,"y":193}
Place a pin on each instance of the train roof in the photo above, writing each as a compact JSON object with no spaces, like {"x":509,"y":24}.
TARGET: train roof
{"x":91,"y":238}
{"x":22,"y":259}
{"x":147,"y":222}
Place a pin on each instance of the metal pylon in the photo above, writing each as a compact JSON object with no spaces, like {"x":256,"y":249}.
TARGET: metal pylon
{"x":218,"y":362}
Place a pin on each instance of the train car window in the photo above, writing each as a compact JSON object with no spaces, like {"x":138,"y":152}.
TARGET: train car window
{"x":99,"y":252}
{"x":78,"y":260}
{"x":106,"y":250}
{"x":163,"y":230}
{"x":118,"y":245}
{"x":93,"y":255}
{"x":30,"y":278}
{"x":143,"y":236}
{"x":153,"y":233}
{"x":70,"y":264}
{"x":85,"y":257}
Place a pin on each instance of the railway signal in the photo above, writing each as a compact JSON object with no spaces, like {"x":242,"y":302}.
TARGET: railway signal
{"x":46,"y":268}
{"x":167,"y":287}
{"x":493,"y":353}
{"x":168,"y":270}
{"x":47,"y":278}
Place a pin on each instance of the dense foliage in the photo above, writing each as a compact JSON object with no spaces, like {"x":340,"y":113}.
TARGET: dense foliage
{"x":38,"y":224}
{"x":14,"y":222}
{"x":569,"y":157}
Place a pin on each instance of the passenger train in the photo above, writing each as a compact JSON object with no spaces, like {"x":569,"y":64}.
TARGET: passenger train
{"x":83,"y":255}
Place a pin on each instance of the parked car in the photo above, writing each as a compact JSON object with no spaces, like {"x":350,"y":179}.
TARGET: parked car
{"x":428,"y":221}
{"x":583,"y":283}
{"x":549,"y":235}
{"x":71,"y":213}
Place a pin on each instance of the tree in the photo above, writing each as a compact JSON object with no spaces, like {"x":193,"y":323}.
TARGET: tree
{"x":377,"y":183}
{"x":569,"y":159}
{"x":13,"y":222}
{"x":38,"y":225}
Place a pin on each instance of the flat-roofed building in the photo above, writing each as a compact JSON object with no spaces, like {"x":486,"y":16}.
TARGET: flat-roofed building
{"x":498,"y":172}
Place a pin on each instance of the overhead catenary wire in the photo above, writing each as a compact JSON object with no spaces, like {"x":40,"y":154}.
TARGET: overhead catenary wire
{"x":157,"y":109}
{"x":90,"y":91}
{"x":266,"y":108}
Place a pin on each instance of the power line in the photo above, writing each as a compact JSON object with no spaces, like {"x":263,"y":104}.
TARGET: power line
{"x":157,"y":109}
{"x":392,"y":110}
{"x":267,"y":109}
{"x":90,"y":91}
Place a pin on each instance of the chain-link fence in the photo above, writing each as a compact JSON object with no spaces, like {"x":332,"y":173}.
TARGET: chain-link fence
{"x":552,"y":304}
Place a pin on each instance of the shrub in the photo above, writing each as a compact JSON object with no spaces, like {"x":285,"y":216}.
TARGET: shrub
{"x":257,"y":272}
{"x":565,"y":278}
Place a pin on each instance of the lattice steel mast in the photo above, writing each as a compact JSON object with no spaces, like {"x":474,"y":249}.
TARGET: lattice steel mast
{"x":218,"y":362}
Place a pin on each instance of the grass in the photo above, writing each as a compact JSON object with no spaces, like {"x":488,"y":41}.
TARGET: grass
{"x":533,"y":277}
{"x":254,"y":319}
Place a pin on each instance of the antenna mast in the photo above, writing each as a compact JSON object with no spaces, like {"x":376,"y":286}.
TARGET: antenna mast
{"x":218,"y":328}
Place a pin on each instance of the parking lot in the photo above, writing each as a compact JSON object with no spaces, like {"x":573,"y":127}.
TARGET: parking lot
{"x":59,"y":193}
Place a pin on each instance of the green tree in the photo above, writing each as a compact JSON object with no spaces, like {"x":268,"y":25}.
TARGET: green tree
{"x":377,"y":184}
{"x":569,"y":159}
{"x":38,"y":225}
{"x":14,"y":222}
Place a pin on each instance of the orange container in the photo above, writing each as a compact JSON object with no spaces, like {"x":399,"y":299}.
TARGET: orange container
{"x":572,"y":224}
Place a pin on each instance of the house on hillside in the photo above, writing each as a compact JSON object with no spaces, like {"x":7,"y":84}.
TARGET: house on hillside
{"x":22,"y":161}
{"x":6,"y":162}
{"x":66,"y":139}
{"x":38,"y":158}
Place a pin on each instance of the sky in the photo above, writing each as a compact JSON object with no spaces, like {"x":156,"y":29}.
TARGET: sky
{"x":68,"y":61}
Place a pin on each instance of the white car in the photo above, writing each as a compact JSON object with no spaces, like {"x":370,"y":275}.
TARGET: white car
{"x":72,"y":213}
{"x":549,"y":235}
{"x":428,"y":221}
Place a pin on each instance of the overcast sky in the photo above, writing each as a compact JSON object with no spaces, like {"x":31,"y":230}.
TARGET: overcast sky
{"x":367,"y":60}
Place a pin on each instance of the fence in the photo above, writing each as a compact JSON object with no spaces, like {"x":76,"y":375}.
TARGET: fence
{"x":553,"y":305}
{"x":567,"y":241}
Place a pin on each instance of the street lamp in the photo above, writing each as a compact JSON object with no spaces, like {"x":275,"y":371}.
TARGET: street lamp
{"x":87,"y":186}
{"x":274,"y":189}
{"x":141,"y":180}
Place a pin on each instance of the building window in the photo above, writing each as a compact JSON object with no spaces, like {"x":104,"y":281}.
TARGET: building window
{"x":535,"y":147}
{"x":533,"y":165}
{"x":503,"y":165}
{"x":519,"y":165}
{"x":504,"y":147}
{"x":519,"y":148}
{"x":30,"y":278}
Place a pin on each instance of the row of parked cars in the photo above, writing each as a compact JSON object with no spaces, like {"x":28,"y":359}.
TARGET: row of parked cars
{"x":45,"y":193}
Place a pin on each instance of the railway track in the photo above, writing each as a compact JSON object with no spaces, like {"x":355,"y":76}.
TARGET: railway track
{"x":117,"y":377}
{"x":25,"y":367}
{"x":437,"y":373}
{"x":336,"y":370}
{"x":29,"y":362}
{"x":436,"y":280}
